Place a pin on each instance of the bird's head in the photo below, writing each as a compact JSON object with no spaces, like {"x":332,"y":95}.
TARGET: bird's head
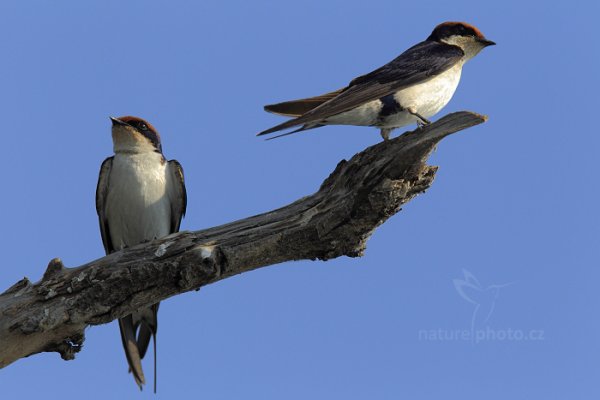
{"x":467,"y":37}
{"x":134,"y":135}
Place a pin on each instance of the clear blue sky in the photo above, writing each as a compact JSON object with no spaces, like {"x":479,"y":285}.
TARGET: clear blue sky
{"x":515,"y":200}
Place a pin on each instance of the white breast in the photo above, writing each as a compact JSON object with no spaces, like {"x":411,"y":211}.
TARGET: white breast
{"x":429,"y":97}
{"x":137,"y":203}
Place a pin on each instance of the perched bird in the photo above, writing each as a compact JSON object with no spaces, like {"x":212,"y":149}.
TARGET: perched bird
{"x":411,"y":88}
{"x":140,"y":197}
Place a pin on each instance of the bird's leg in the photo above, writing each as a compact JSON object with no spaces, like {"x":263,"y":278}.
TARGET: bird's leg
{"x":422,"y":120}
{"x":385,"y":133}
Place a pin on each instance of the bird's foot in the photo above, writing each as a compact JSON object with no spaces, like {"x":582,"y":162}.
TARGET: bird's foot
{"x":385,"y":133}
{"x":421,"y":121}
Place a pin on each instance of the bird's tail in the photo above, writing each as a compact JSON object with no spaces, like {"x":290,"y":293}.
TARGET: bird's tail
{"x":301,"y":129}
{"x":131,"y":349}
{"x":296,"y":108}
{"x":135,"y":348}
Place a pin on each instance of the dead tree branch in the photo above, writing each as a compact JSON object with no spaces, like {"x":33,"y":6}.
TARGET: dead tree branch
{"x":358,"y":196}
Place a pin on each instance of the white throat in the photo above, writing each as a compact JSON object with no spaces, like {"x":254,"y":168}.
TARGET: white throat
{"x":127,"y":140}
{"x":469,"y":45}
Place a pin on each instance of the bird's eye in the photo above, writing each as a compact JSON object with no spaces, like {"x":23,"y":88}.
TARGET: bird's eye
{"x":143,"y":126}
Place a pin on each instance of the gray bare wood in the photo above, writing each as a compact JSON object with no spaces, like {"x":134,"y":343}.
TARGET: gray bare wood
{"x":358,"y":196}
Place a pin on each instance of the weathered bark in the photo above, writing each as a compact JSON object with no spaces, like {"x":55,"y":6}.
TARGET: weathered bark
{"x":337,"y":220}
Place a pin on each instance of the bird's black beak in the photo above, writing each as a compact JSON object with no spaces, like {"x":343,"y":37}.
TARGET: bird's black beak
{"x":117,"y":121}
{"x":486,"y":42}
